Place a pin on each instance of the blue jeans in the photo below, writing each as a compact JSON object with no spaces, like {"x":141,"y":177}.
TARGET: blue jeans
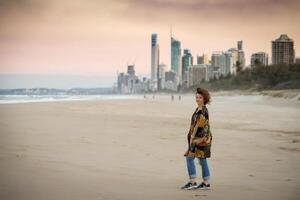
{"x":192,"y":169}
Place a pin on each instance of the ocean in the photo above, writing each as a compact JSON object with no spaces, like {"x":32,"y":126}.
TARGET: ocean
{"x":11,"y":99}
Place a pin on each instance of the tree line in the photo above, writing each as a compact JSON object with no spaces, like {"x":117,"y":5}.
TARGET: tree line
{"x":257,"y":77}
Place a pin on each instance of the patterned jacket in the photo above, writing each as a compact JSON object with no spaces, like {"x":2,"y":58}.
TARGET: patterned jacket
{"x":199,"y":136}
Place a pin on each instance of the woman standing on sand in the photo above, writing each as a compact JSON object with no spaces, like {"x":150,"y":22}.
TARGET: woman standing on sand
{"x":199,"y":142}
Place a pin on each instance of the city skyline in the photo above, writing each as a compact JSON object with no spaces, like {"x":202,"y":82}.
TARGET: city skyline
{"x":92,"y":39}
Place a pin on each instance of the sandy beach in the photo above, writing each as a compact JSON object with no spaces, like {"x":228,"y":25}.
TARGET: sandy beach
{"x":133,"y":149}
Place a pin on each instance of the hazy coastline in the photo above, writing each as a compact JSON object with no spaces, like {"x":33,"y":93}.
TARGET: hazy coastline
{"x":293,"y":94}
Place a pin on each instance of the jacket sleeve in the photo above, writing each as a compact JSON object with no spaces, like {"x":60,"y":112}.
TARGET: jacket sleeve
{"x":190,"y":131}
{"x":191,"y":125}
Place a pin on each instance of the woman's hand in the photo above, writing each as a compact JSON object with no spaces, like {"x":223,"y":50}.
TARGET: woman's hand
{"x":198,"y":141}
{"x":202,"y":141}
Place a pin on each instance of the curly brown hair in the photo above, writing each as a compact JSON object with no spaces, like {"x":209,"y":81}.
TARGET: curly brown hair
{"x":205,"y":94}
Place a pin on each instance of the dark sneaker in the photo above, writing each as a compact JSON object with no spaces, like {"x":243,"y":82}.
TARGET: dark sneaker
{"x":203,"y":186}
{"x":189,"y":186}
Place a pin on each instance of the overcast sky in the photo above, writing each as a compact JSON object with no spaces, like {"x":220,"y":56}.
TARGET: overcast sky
{"x":99,"y":38}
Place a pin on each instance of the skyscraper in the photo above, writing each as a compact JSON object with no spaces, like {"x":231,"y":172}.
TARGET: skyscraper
{"x":241,"y":54}
{"x":187,"y":60}
{"x":235,"y":58}
{"x":161,"y":76}
{"x":130,"y":70}
{"x":240,"y":45}
{"x":176,"y":58}
{"x":154,"y":62}
{"x":217,"y":64}
{"x":129,"y":82}
{"x":283,"y":50}
{"x":229,"y":66}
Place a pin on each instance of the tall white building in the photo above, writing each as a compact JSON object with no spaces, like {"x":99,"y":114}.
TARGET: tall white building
{"x":154,"y":62}
{"x":235,"y":58}
{"x":217,"y":64}
{"x":129,"y":83}
{"x":161,"y":76}
{"x":223,"y":63}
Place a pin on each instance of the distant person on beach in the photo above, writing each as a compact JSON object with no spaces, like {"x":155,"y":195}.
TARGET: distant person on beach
{"x":199,"y":140}
{"x":179,"y":97}
{"x":172,"y":97}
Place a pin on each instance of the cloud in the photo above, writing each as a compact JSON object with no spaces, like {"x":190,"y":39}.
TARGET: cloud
{"x":212,"y":9}
{"x":38,"y":35}
{"x":99,"y":15}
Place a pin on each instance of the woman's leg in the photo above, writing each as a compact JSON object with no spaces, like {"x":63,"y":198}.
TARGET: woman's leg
{"x":191,"y":168}
{"x":205,"y":169}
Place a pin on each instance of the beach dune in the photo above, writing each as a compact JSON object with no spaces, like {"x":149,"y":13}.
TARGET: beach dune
{"x":133,"y":149}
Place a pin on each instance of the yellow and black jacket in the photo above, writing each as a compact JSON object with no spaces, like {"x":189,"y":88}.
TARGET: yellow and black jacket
{"x":199,"y":136}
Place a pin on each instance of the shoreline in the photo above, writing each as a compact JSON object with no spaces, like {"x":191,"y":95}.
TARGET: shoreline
{"x":289,"y":94}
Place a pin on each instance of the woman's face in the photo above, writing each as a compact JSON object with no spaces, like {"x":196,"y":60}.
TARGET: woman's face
{"x":199,"y":99}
